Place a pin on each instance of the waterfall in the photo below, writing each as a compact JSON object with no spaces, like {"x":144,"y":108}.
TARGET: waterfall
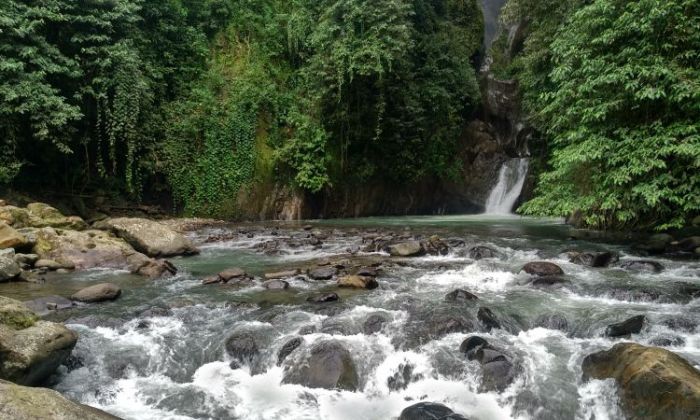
{"x":505,"y":193}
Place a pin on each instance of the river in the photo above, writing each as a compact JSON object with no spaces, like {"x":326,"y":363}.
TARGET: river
{"x":158,"y":352}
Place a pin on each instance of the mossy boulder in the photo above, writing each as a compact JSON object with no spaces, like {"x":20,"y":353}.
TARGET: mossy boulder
{"x":39,"y":215}
{"x":24,"y":403}
{"x":15,"y":315}
{"x":653,"y":383}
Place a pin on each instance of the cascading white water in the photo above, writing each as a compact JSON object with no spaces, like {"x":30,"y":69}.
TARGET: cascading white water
{"x":505,"y":193}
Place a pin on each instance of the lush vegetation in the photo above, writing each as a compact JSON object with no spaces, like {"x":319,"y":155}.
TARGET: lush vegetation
{"x":615,"y":87}
{"x":212,"y":95}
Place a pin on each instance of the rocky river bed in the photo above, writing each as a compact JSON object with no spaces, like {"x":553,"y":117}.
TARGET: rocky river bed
{"x":383,"y":318}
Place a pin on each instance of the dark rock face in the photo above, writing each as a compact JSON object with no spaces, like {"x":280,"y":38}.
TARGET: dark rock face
{"x":429,"y":411}
{"x":542,"y":268}
{"x":374,"y":323}
{"x":323,"y":298}
{"x":288,"y":348}
{"x":629,"y":326}
{"x":329,"y":365}
{"x":593,"y":259}
{"x":481,"y":252}
{"x":242,"y":346}
{"x":653,"y":383}
{"x":642,"y":266}
{"x":488,"y":319}
{"x":497,"y":369}
{"x":323,"y":273}
{"x":552,"y":322}
{"x":460,"y":295}
{"x":98,"y":293}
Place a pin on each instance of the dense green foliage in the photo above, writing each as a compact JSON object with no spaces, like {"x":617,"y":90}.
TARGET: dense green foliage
{"x":615,"y":86}
{"x":318,"y":91}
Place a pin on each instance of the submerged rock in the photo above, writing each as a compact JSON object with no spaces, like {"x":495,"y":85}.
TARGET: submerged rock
{"x":323,"y":298}
{"x":488,"y":319}
{"x":653,"y":383}
{"x":242,"y":346}
{"x":25,"y":403}
{"x":150,"y":237}
{"x":429,"y":411}
{"x":374,"y":323}
{"x":358,"y":282}
{"x":629,"y":326}
{"x":231,"y":273}
{"x":552,"y":322}
{"x":327,"y":365}
{"x":281,"y":274}
{"x":480,"y":252}
{"x":98,"y":293}
{"x":642,"y":266}
{"x":48,"y":304}
{"x":542,"y":268}
{"x":460,"y":295}
{"x":323,"y":273}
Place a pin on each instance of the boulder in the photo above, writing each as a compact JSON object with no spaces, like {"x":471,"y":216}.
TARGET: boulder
{"x":149,"y":237}
{"x":281,"y":274}
{"x":50,"y":217}
{"x":327,"y":365}
{"x":497,"y":368}
{"x":374,"y":323}
{"x":460,"y":295}
{"x":593,"y":259}
{"x":155,"y":268}
{"x":242,"y":346}
{"x":429,"y":411}
{"x":288,"y":348}
{"x":48,"y":264}
{"x":45,"y":305}
{"x":26,"y":403}
{"x":406,"y":249}
{"x":435,"y":246}
{"x":642,"y":266}
{"x":30,"y":349}
{"x":542,"y":268}
{"x":323,"y":298}
{"x":10,"y":238}
{"x":552,"y":322}
{"x":231,"y":273}
{"x":629,"y":326}
{"x":9,"y":269}
{"x":655,"y":244}
{"x":689,"y":244}
{"x":368,"y":271}
{"x":653,"y":383}
{"x":323,"y":273}
{"x":26,"y":259}
{"x":358,"y":282}
{"x":97,"y":293}
{"x":481,"y":252}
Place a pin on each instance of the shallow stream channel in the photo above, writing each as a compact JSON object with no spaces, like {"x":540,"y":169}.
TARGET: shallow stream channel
{"x":295,"y":345}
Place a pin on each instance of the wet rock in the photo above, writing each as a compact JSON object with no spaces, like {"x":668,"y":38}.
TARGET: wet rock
{"x":406,"y":249}
{"x":552,"y":322}
{"x":481,"y":252}
{"x":429,"y":411}
{"x":642,"y":266}
{"x":323,"y":273}
{"x":97,"y":293}
{"x":497,"y":368}
{"x":629,"y":326}
{"x":328,"y":365}
{"x":689,"y":244}
{"x":211,"y":280}
{"x":149,"y":237}
{"x":242,"y":346}
{"x":368,"y":272}
{"x":435,"y":325}
{"x":691,"y":290}
{"x":26,"y":259}
{"x":45,"y":305}
{"x":374,"y":323}
{"x":631,"y":294}
{"x":593,"y":259}
{"x":9,"y":269}
{"x":358,"y":282}
{"x":667,"y":341}
{"x":10,"y":238}
{"x":402,"y":378}
{"x":155,"y":269}
{"x":653,"y":383}
{"x":542,"y":268}
{"x":231,"y":273}
{"x":680,"y":324}
{"x":460,"y":295}
{"x":323,"y":298}
{"x":31,"y":349}
{"x":276,"y":285}
{"x":655,"y":244}
{"x":282,"y":274}
{"x":28,"y":403}
{"x":488,"y":319}
{"x":435,"y":246}
{"x":156,"y":311}
{"x":288,"y":348}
